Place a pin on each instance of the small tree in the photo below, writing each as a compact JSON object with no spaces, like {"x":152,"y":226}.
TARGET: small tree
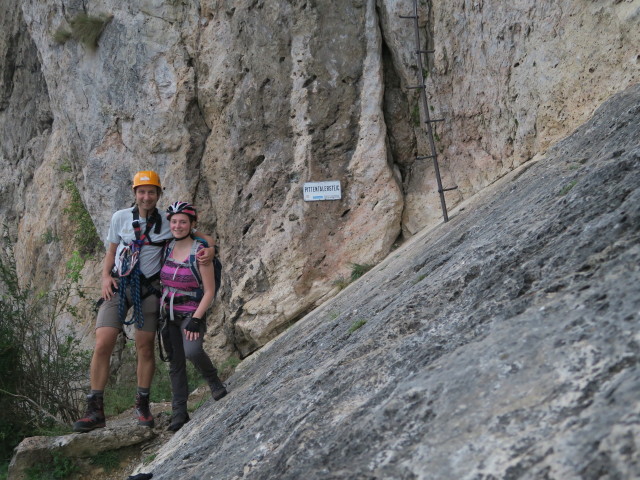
{"x":42,"y":367}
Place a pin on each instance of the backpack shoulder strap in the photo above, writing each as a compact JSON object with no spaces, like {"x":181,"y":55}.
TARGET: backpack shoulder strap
{"x":168,"y":248}
{"x":193,"y":261}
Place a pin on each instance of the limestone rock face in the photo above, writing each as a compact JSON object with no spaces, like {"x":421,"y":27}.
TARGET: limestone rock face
{"x":238,"y":103}
{"x":502,"y":344}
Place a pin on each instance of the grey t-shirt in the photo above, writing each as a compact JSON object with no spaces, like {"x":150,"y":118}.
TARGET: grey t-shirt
{"x":121,"y":232}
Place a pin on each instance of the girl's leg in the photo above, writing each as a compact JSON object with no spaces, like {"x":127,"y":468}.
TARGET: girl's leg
{"x":194,"y":351}
{"x":178,"y":374}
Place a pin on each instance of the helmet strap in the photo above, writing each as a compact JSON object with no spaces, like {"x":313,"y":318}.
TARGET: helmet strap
{"x":182,"y":238}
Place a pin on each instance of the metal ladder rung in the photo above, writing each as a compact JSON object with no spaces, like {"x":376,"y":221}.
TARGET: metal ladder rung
{"x":425,"y":108}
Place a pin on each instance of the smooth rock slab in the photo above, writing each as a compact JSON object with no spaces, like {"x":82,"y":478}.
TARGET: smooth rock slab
{"x":501,"y":345}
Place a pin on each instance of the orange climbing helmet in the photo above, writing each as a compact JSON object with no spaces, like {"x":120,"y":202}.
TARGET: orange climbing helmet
{"x":146,"y":177}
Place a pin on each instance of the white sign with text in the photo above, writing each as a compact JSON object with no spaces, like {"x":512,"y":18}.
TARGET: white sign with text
{"x":314,"y":191}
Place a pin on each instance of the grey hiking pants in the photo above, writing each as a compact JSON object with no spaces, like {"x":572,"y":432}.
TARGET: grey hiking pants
{"x":184,"y":349}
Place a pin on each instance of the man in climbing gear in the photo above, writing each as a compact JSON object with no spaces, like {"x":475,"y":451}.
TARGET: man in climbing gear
{"x":131,"y":278}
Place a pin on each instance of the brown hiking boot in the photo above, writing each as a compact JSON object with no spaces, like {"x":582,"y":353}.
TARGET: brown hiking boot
{"x":94,"y":417}
{"x":177,"y":421}
{"x":218,"y":390}
{"x":142,"y":410}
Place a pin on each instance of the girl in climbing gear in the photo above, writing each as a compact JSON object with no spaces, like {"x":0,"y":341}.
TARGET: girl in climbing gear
{"x":188,"y":288}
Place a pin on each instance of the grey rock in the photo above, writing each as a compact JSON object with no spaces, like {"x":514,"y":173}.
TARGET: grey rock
{"x":502,"y":344}
{"x":34,"y":450}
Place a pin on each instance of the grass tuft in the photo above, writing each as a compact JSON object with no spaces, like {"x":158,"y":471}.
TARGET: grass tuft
{"x":356,"y":325}
{"x":62,"y":35}
{"x":108,"y":460}
{"x":358,"y":270}
{"x":567,"y":187}
{"x":87,"y":29}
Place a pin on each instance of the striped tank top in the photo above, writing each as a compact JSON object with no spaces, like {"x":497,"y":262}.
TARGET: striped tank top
{"x":178,"y":275}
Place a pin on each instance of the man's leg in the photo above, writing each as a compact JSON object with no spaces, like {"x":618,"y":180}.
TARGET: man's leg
{"x":145,"y":347}
{"x":146,"y":357}
{"x":106,"y":338}
{"x":146,"y":368}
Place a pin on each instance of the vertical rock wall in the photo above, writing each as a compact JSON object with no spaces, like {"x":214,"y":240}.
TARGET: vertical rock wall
{"x":293,"y":93}
{"x":238,"y":103}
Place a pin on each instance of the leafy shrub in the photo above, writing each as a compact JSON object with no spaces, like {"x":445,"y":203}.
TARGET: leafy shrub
{"x":108,"y":460}
{"x":58,"y":467}
{"x":85,"y":236}
{"x":42,"y":366}
{"x":87,"y":28}
{"x":62,"y":35}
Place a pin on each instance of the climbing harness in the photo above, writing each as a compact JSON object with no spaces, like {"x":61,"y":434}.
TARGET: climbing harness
{"x":164,"y":340}
{"x":129,"y":270}
{"x":169,"y":293}
{"x":425,"y":108}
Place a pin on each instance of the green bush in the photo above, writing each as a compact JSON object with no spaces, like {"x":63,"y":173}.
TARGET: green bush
{"x":108,"y":460}
{"x":41,"y":364}
{"x":87,"y":28}
{"x":85,"y":236}
{"x":62,"y":35}
{"x":58,"y":467}
{"x":415,"y":114}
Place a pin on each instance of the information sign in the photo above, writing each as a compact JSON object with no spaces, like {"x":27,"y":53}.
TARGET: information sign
{"x":314,"y":191}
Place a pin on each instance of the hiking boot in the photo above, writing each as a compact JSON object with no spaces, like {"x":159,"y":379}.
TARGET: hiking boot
{"x":94,"y":416}
{"x":142,"y":410}
{"x":177,"y":421}
{"x":218,"y":390}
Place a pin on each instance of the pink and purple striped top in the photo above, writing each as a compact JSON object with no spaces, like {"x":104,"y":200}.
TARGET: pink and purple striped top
{"x":178,"y":275}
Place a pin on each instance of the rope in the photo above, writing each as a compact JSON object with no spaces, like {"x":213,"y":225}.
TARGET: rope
{"x":130,"y":278}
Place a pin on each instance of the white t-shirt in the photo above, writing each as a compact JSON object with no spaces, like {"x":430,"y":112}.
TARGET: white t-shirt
{"x":121,"y":232}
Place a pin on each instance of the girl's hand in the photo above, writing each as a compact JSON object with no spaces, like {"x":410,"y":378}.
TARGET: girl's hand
{"x":192,"y":329}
